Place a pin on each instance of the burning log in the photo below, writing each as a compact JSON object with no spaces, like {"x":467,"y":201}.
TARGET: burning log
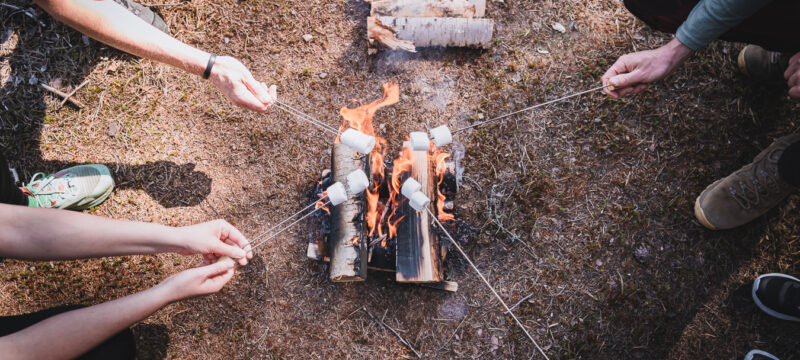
{"x":408,"y":33}
{"x":429,"y":8}
{"x":418,"y":252}
{"x":348,"y":245}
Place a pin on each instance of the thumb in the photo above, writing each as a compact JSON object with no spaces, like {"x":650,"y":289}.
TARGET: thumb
{"x":217,"y":268}
{"x":625,"y":80}
{"x":232,"y":251}
{"x":258,"y":89}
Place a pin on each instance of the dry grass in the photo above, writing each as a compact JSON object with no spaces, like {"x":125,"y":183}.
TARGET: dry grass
{"x":587,"y":204}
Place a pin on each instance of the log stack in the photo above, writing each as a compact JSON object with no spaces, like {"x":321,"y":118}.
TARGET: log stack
{"x":408,"y":24}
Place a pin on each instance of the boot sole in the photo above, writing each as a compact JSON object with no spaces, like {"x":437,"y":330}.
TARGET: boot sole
{"x":701,"y":217}
{"x":741,"y":63}
{"x":698,"y":210}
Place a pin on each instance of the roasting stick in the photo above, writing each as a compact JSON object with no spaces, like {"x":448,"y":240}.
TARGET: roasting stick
{"x":534,"y":107}
{"x":259,"y":236}
{"x":353,"y":138}
{"x":308,"y":118}
{"x":287,"y":227}
{"x":264,"y":241}
{"x":519,"y":323}
{"x":442,"y":135}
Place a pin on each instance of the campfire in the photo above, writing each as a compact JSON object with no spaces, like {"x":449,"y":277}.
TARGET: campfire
{"x":377,"y":229}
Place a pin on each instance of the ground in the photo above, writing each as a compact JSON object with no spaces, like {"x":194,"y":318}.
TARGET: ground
{"x":585,"y":205}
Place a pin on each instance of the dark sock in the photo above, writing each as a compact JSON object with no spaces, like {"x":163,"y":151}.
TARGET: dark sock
{"x":789,"y":164}
{"x":9,"y":192}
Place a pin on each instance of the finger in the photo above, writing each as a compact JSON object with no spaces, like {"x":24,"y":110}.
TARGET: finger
{"x":795,"y":92}
{"x":794,"y":79}
{"x":272,"y":91}
{"x":231,"y":233}
{"x":244,"y":97}
{"x":794,"y":64}
{"x":625,"y":80}
{"x":216,"y":268}
{"x":230,"y":250}
{"x":257,"y":88}
{"x":217,"y":282}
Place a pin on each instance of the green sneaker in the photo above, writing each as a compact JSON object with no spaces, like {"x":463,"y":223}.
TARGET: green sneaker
{"x":77,"y":188}
{"x":759,"y":64}
{"x":747,"y":193}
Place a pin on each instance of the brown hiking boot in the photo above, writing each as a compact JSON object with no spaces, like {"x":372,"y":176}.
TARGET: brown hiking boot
{"x":759,"y":64}
{"x":747,"y":193}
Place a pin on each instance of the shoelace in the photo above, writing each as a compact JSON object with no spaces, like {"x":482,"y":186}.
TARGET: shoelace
{"x":37,"y":188}
{"x":752,"y":193}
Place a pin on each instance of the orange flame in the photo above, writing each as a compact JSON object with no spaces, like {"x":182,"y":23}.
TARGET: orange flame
{"x":360,"y":118}
{"x":438,"y":157}
{"x":321,"y":203}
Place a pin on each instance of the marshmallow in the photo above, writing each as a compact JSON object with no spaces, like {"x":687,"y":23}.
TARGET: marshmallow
{"x":357,"y":140}
{"x":419,"y":141}
{"x":336,"y":193}
{"x":418,"y":201}
{"x":410,"y":187}
{"x":441,"y":136}
{"x":357,"y":181}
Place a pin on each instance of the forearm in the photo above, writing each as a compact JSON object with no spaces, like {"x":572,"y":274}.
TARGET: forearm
{"x":711,"y":18}
{"x":110,"y":23}
{"x":70,"y":334}
{"x":51,"y":234}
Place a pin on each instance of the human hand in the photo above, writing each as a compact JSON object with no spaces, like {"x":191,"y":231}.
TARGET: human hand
{"x":632,"y":73}
{"x":239,"y":86}
{"x":202,"y":280}
{"x":792,"y":76}
{"x":213,"y":240}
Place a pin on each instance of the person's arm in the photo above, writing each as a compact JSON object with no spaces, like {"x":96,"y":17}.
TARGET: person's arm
{"x":71,"y":334}
{"x":632,"y":73}
{"x":710,"y":19}
{"x":112,"y":24}
{"x":52,"y":234}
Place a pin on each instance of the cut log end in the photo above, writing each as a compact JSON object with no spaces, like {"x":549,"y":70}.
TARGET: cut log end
{"x":409,"y":33}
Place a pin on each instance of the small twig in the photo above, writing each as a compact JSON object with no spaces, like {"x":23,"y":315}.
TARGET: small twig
{"x":453,"y":334}
{"x":62,"y":94}
{"x":520,"y":302}
{"x":403,"y":341}
{"x":72,"y":93}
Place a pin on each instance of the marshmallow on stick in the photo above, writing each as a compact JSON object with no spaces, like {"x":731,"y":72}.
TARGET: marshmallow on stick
{"x":336,"y":193}
{"x":357,"y":181}
{"x":410,"y":187}
{"x":419,"y":141}
{"x":416,"y":198}
{"x":418,"y":201}
{"x":441,"y":136}
{"x":357,"y":140}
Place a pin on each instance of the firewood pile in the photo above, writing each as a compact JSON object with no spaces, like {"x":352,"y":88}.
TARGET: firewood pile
{"x":408,"y":24}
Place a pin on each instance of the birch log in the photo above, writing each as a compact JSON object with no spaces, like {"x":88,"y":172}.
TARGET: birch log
{"x":429,"y":8}
{"x":408,"y":33}
{"x":418,"y":252}
{"x":348,"y":238}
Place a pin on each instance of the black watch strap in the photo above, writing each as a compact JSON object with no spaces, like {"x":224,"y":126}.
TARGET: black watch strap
{"x":210,"y":65}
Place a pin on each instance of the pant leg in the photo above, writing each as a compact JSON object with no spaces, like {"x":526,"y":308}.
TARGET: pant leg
{"x":774,"y":27}
{"x":789,"y":164}
{"x":120,"y":346}
{"x":9,"y":192}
